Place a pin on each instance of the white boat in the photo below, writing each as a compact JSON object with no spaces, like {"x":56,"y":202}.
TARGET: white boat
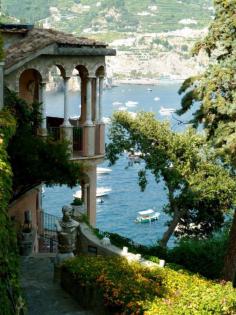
{"x":106,"y":120}
{"x":156,"y":98}
{"x":135,"y":157}
{"x":149,"y":89}
{"x":131,"y":104}
{"x":116,"y":103}
{"x":146,"y":216}
{"x":103,"y":170}
{"x":132,"y":114}
{"x":122,"y":108}
{"x":101,"y":191}
{"x":166,"y":111}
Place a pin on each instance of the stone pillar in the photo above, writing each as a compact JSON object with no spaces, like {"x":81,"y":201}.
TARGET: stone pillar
{"x":97,"y":102}
{"x":88,"y":121}
{"x":88,"y":126}
{"x":1,"y":84}
{"x":91,"y":206}
{"x":43,"y":102}
{"x":66,"y":104}
{"x":101,"y":83}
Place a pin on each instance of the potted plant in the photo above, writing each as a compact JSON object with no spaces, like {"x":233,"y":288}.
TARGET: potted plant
{"x":78,"y":207}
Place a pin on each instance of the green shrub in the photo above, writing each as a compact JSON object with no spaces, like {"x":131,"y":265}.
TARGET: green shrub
{"x":125,"y":287}
{"x":203,"y":256}
{"x":9,"y":269}
{"x":129,"y":288}
{"x":77,"y":202}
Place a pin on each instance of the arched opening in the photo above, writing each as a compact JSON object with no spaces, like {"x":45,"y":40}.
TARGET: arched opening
{"x":29,"y":85}
{"x":83,"y":73}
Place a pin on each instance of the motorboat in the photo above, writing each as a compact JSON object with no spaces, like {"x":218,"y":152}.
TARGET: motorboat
{"x":101,"y":192}
{"x":149,"y":89}
{"x":156,"y":98}
{"x":166,"y":111}
{"x":135,"y":157}
{"x":103,"y":170}
{"x":116,"y":103}
{"x":131,"y":104}
{"x":106,"y":120}
{"x":146,"y":216}
{"x":121,"y":108}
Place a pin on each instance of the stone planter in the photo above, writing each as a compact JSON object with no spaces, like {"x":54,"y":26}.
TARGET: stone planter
{"x":26,"y":243}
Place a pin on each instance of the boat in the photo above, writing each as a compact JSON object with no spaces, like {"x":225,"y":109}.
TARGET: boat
{"x":146,"y":216}
{"x":121,"y":108}
{"x":166,"y":111}
{"x":116,"y":103}
{"x":101,"y":192}
{"x":131,"y":104}
{"x":106,"y":120}
{"x":103,"y":170}
{"x":156,"y":98}
{"x":149,"y":89}
{"x":135,"y":157}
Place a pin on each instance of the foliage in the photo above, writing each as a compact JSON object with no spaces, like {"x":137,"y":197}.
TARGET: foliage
{"x":9,"y":286}
{"x":215,"y":91}
{"x":202,"y":256}
{"x":125,"y":287}
{"x":156,"y":291}
{"x":1,"y":48}
{"x":199,"y":189}
{"x":35,"y":159}
{"x":77,"y":202}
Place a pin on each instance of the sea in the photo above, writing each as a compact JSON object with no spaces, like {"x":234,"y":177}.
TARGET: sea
{"x":118,"y":210}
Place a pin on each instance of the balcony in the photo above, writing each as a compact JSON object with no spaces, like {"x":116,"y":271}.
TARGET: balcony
{"x":86,"y":142}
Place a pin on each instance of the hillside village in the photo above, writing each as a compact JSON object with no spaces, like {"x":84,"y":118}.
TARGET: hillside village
{"x":149,"y":49}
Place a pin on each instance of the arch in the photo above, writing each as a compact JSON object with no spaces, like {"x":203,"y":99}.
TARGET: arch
{"x":83,"y":71}
{"x":100,"y":70}
{"x":29,"y":81}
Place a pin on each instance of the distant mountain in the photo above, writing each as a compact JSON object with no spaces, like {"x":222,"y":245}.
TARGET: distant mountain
{"x":152,"y":37}
{"x":115,"y":15}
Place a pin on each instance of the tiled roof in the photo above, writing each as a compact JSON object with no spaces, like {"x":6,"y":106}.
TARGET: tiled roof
{"x":37,"y":39}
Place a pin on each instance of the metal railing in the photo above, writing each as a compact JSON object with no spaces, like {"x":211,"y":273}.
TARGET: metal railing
{"x":47,"y":234}
{"x":55,"y":134}
{"x":77,"y":139}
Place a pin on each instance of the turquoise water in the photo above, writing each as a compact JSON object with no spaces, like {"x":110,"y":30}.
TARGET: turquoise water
{"x":120,"y":207}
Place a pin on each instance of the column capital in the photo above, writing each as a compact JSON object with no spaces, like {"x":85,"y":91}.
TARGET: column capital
{"x":66,"y":78}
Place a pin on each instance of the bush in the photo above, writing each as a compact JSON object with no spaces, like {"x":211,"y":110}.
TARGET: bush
{"x":128,"y":288}
{"x":203,"y":256}
{"x":77,"y":202}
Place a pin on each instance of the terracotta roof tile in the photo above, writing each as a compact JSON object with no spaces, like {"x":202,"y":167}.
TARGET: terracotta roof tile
{"x":37,"y":39}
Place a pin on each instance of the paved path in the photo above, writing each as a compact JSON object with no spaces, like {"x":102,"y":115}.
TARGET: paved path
{"x":43,"y":296}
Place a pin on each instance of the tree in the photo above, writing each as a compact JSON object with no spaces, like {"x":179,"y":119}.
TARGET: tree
{"x":199,"y":190}
{"x":215,"y":90}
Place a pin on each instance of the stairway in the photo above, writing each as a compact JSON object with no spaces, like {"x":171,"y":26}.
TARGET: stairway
{"x":43,"y":296}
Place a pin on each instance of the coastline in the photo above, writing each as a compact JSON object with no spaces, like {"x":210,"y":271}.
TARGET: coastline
{"x":146,"y":81}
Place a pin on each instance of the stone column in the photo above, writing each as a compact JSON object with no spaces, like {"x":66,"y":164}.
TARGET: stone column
{"x":88,"y":121}
{"x":101,"y":83}
{"x":1,"y":84}
{"x":91,"y":206}
{"x":66,"y":104}
{"x":66,"y":128}
{"x":88,"y":126}
{"x":43,"y":102}
{"x":97,"y":102}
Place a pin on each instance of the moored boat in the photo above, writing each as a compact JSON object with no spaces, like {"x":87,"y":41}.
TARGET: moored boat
{"x":147,"y":216}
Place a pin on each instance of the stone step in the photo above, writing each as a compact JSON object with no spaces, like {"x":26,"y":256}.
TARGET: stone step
{"x":43,"y":295}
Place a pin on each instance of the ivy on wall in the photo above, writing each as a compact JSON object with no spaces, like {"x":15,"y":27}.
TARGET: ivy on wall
{"x":9,"y":286}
